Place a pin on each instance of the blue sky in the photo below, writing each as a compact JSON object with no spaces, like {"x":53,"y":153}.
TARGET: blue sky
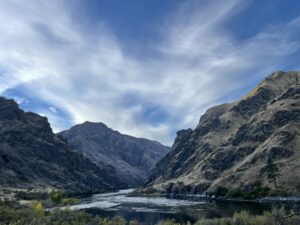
{"x":145,"y":68}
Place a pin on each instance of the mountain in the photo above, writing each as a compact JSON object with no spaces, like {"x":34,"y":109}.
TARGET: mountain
{"x":131,"y":157}
{"x":32,"y":156}
{"x":232,"y":143}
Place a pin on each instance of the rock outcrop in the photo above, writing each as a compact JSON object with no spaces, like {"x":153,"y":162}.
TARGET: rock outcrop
{"x":131,"y":157}
{"x":232,"y":142}
{"x":32,"y":156}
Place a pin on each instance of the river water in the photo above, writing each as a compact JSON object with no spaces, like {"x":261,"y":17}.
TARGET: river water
{"x":150,"y":210}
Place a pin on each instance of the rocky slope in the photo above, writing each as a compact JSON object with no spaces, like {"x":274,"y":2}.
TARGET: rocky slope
{"x":31,"y":155}
{"x":131,"y":157}
{"x":232,"y":142}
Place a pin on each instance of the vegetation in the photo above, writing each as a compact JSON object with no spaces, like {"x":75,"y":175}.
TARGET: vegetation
{"x":277,"y":217}
{"x":255,"y":192}
{"x":54,"y":198}
{"x":273,"y":171}
{"x":11,"y":213}
{"x":168,"y":222}
{"x":28,"y":195}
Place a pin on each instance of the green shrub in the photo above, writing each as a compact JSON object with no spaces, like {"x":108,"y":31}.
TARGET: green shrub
{"x":70,"y":201}
{"x":38,"y":209}
{"x":56,"y":197}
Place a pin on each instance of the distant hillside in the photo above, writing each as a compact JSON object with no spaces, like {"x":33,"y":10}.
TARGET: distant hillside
{"x":31,"y":155}
{"x":232,"y":143}
{"x":131,"y":157}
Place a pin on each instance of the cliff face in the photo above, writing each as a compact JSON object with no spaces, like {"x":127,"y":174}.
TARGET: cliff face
{"x":232,"y":142}
{"x":31,"y":155}
{"x":131,"y":157}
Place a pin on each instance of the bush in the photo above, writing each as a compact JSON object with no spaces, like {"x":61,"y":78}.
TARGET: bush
{"x":70,"y":201}
{"x":56,"y":197}
{"x":38,"y":209}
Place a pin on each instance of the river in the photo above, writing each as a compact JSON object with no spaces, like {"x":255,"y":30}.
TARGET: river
{"x":150,"y":210}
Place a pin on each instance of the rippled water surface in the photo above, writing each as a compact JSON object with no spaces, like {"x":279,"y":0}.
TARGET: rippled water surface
{"x":150,"y":210}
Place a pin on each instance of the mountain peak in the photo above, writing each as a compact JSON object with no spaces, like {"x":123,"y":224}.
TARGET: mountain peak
{"x":132,"y":157}
{"x":93,"y":124}
{"x":10,"y":110}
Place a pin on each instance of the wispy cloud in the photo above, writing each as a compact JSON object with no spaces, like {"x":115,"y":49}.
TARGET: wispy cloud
{"x":53,"y":109}
{"x":89,"y":76}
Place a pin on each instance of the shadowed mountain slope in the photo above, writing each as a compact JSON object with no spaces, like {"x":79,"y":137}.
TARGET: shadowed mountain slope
{"x":32,"y":156}
{"x":131,"y":157}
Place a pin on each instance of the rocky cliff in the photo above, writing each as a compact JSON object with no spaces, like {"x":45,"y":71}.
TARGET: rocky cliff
{"x":232,"y":143}
{"x":32,"y":156}
{"x":131,"y":157}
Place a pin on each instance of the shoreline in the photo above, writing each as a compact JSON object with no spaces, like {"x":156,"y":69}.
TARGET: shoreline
{"x":287,"y":200}
{"x":197,"y":197}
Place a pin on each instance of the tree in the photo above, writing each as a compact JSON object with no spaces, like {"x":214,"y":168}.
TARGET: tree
{"x":273,"y":171}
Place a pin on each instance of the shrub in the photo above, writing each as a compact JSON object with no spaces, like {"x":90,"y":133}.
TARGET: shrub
{"x":70,"y":201}
{"x":38,"y":209}
{"x":55,"y":197}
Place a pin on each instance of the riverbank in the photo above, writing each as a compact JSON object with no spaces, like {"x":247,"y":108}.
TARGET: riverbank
{"x":39,"y":194}
{"x":13,"y":213}
{"x":269,"y":199}
{"x":259,"y":195}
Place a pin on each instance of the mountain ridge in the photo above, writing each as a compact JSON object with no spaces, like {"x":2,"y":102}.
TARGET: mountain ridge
{"x":231,"y":142}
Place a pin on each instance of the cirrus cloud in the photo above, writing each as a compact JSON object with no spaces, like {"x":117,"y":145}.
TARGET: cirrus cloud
{"x":89,"y":76}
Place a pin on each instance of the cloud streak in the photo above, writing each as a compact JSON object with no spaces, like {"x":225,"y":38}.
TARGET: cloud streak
{"x":89,"y":76}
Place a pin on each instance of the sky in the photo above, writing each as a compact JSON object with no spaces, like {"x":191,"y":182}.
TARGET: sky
{"x":144,"y":68}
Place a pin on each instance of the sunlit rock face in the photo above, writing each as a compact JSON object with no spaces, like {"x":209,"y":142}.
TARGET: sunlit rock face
{"x":232,"y":142}
{"x":32,"y":156}
{"x":131,"y":157}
